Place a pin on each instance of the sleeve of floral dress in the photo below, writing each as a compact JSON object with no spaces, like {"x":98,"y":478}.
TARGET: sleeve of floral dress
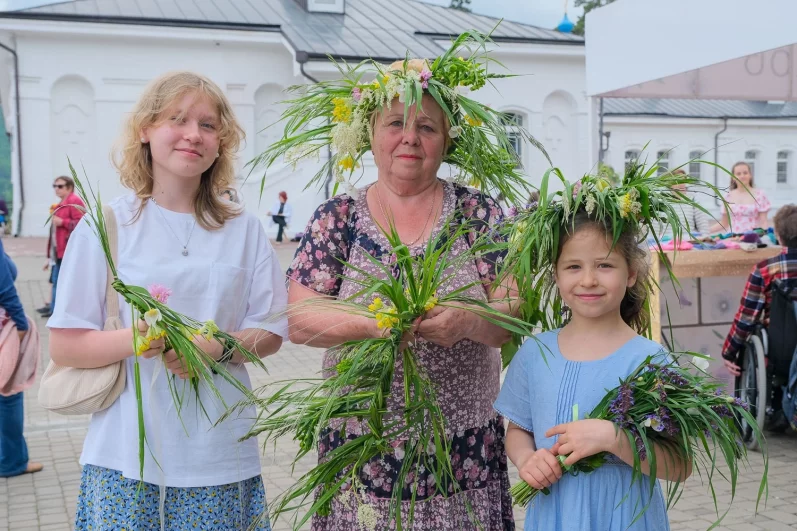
{"x":318,"y":263}
{"x":483,"y":214}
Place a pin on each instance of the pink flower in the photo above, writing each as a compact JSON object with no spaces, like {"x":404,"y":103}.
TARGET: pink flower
{"x":426,"y":75}
{"x":356,"y":94}
{"x":160,"y":293}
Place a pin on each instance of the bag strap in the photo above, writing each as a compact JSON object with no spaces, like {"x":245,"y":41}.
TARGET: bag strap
{"x":112,"y":321}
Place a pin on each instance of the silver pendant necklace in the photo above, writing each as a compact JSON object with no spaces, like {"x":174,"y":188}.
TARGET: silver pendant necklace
{"x":191,"y":232}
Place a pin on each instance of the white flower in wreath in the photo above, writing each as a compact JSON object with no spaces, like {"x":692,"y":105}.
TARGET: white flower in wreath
{"x":462,"y":90}
{"x":455,"y":131}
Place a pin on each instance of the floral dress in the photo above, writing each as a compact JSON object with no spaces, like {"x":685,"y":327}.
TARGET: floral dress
{"x":745,"y":216}
{"x":467,"y":375}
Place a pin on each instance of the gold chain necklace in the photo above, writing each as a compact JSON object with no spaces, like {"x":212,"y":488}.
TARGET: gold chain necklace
{"x":428,"y":217}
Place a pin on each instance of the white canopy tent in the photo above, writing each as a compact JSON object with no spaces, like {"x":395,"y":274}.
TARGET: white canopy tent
{"x":702,"y":49}
{"x":694,"y":49}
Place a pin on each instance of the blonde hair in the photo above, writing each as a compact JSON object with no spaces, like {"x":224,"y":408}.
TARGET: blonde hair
{"x":418,"y":65}
{"x":133,"y":159}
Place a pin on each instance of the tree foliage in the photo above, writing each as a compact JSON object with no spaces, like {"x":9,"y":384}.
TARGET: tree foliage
{"x":588,"y":6}
{"x":462,"y":5}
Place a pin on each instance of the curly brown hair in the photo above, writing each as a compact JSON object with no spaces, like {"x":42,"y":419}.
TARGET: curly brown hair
{"x":633,"y":308}
{"x":786,"y":225}
{"x":133,"y":160}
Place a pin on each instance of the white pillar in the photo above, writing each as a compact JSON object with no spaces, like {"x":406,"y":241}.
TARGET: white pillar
{"x":592,"y":133}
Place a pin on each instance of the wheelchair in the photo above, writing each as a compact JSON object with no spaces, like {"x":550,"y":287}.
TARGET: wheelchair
{"x":765,"y":361}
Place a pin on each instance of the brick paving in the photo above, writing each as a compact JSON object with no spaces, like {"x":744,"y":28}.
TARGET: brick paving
{"x":46,"y":501}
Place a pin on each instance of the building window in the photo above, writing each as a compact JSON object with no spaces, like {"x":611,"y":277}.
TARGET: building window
{"x":750,"y":158}
{"x":514,"y":124}
{"x":784,"y":158}
{"x":631,"y":158}
{"x":694,"y":167}
{"x":663,"y":162}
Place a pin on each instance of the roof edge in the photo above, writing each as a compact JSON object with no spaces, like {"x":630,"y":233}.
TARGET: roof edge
{"x":506,"y":39}
{"x":304,"y":57}
{"x":141,"y":21}
{"x":692,"y":116}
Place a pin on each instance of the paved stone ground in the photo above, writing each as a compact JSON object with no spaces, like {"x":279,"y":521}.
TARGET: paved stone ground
{"x":46,"y":501}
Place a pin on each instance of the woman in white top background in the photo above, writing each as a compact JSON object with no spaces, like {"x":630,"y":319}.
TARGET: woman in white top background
{"x":177,"y":156}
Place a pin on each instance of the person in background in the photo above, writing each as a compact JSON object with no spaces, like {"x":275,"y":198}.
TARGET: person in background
{"x":695,"y":219}
{"x":281,"y":214}
{"x":749,"y":205}
{"x":3,"y":215}
{"x":757,"y":300}
{"x":13,"y":449}
{"x":757,"y":295}
{"x":65,"y":218}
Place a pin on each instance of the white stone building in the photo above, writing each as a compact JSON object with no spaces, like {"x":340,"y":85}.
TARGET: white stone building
{"x":760,"y":133}
{"x":72,"y":70}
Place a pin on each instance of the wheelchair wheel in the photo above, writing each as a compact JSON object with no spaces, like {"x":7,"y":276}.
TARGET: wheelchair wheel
{"x":752,"y":387}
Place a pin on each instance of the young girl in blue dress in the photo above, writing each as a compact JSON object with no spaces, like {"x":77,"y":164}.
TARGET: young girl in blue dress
{"x":605,"y":286}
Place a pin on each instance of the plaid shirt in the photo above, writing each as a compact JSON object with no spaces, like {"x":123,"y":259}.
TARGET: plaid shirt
{"x":757,"y":298}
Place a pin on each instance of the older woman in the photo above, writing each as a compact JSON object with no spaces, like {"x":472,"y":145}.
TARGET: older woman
{"x":457,"y":348}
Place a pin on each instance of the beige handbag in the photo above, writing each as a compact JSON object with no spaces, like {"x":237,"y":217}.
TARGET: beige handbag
{"x":72,"y":391}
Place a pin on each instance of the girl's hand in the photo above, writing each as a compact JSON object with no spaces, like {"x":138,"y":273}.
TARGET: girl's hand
{"x":541,"y":469}
{"x":583,"y":438}
{"x":57,"y":221}
{"x":176,"y":364}
{"x":446,"y":326}
{"x":155,"y":346}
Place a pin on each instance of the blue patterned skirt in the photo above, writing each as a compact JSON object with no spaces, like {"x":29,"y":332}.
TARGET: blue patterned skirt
{"x":108,"y":501}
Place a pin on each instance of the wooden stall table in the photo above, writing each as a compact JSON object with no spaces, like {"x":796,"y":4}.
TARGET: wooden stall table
{"x":697,"y":315}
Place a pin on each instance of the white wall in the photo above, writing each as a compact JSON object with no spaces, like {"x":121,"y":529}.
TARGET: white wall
{"x":76,"y":91}
{"x":683,"y":136}
{"x":78,"y":80}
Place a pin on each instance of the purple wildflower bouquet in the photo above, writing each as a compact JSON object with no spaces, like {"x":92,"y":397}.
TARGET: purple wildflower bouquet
{"x":683,"y":410}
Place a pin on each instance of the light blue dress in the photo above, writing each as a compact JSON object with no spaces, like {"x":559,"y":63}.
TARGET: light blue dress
{"x":539,"y":393}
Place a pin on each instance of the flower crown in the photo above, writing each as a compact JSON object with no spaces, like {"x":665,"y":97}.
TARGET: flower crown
{"x":643,"y":203}
{"x":339,"y":114}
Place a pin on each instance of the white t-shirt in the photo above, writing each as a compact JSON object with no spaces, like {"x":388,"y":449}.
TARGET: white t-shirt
{"x":231,"y":275}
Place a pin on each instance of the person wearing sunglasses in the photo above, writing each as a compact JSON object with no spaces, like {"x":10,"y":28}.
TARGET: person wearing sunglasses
{"x":65,"y":217}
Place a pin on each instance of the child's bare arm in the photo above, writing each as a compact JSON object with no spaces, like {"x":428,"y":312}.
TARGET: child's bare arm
{"x":538,"y":468}
{"x":519,"y":444}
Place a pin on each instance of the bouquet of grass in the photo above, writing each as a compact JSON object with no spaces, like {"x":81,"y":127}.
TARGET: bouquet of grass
{"x":643,"y":202}
{"x":681,"y":410}
{"x":359,"y":390}
{"x":177,"y":330}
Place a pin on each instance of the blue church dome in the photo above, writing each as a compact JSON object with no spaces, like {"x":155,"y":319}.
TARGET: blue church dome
{"x":565,"y":26}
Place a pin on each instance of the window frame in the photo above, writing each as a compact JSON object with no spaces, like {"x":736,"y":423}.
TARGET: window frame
{"x":628,"y":160}
{"x":787,"y":160}
{"x":516,"y":120}
{"x":663,"y":161}
{"x":695,"y":169}
{"x":752,"y":161}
